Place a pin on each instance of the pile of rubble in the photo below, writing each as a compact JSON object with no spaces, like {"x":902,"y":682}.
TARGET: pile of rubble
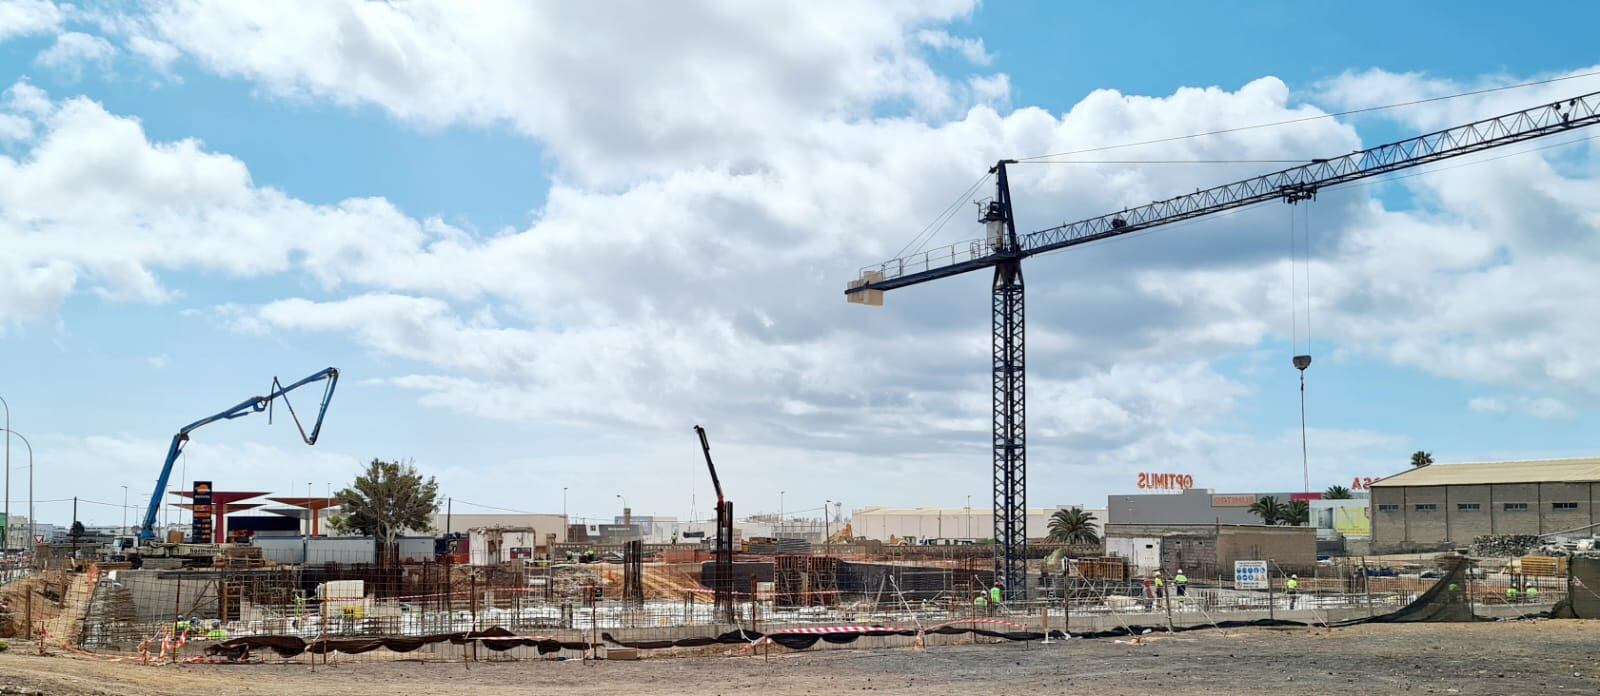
{"x":1504,"y":545}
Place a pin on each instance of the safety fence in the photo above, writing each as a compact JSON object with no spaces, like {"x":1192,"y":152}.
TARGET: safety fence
{"x":440,"y":612}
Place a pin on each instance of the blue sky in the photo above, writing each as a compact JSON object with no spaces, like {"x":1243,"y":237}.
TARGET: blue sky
{"x":686,"y":264}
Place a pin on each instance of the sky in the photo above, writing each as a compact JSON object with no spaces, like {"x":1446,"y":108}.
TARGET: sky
{"x":541,"y":241}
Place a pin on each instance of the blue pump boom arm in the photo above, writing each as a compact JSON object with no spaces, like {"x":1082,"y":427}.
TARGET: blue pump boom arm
{"x":254,"y":404}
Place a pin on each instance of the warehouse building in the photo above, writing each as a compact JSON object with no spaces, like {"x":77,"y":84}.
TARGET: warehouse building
{"x":1445,"y":506}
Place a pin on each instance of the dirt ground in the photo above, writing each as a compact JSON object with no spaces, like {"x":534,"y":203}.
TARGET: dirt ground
{"x":1489,"y":658}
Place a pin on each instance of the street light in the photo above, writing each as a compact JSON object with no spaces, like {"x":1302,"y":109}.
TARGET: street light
{"x":5,"y":524}
{"x":779,"y":532}
{"x":31,"y":523}
{"x":564,"y":519}
{"x":125,"y":510}
{"x":625,"y":514}
{"x":825,"y":505}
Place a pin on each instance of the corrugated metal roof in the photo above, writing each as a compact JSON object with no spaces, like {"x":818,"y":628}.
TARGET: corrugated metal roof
{"x":1583,"y":470}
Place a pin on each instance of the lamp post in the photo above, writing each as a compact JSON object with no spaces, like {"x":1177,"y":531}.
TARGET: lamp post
{"x":31,"y":523}
{"x":969,"y":517}
{"x":825,"y":505}
{"x":564,"y":520}
{"x":625,"y":514}
{"x":124,"y":509}
{"x":5,"y":525}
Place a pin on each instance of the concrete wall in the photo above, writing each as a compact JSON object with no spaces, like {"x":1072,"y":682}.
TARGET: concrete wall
{"x":1515,"y":521}
{"x":1456,"y":523}
{"x":1552,"y":519}
{"x":1467,"y":521}
{"x":1425,"y":512}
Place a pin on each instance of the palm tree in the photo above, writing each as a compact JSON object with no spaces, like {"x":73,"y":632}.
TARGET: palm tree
{"x":1421,"y":459}
{"x":1073,"y":526}
{"x":1297,"y":513}
{"x":1269,"y":510}
{"x":1337,"y":493}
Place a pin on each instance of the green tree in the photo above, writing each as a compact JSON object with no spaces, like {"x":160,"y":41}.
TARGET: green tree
{"x":1420,"y":459}
{"x":1337,"y":493}
{"x":1268,"y":509}
{"x":1297,"y":513}
{"x":77,"y":529}
{"x":386,"y":499}
{"x":1073,"y":526}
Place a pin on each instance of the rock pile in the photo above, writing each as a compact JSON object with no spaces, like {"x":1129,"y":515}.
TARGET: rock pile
{"x":1504,"y":545}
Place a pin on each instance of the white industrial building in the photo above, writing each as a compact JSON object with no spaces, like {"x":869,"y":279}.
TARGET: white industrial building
{"x":921,"y":523}
{"x":543,"y":524}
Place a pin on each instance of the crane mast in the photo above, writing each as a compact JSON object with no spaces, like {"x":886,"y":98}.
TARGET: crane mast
{"x":1003,"y":250}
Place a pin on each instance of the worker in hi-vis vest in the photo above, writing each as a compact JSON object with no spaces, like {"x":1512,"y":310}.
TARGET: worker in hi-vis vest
{"x":1161,"y":586}
{"x":1511,"y":595}
{"x":1532,"y":594}
{"x":1292,"y":586}
{"x":1181,"y":582}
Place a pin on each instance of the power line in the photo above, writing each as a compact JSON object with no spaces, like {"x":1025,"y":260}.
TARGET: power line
{"x":1319,"y":117}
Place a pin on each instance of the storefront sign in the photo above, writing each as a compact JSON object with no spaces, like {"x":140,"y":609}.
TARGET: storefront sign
{"x":1233,"y":500}
{"x":1361,"y":483}
{"x":1166,"y":482}
{"x":1308,"y":497}
{"x":200,"y":528}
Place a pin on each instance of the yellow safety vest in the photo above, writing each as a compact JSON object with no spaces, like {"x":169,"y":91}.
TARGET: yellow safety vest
{"x":1181,"y":579}
{"x":994,"y":595}
{"x":1292,"y":584}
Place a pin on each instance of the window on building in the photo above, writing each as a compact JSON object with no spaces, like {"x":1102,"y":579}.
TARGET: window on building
{"x":1514,"y":507}
{"x":1388,"y":508}
{"x":1426,"y":507}
{"x":1563,"y":506}
{"x":1466,"y":506}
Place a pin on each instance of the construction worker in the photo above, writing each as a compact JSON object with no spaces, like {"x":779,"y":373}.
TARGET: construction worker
{"x":216,"y":632}
{"x":1292,"y":586}
{"x":1149,"y":594}
{"x":995,"y":596}
{"x":1532,"y":594}
{"x":181,"y":626}
{"x":1161,"y":585}
{"x":980,"y":603}
{"x":1511,"y":594}
{"x":1181,"y":582}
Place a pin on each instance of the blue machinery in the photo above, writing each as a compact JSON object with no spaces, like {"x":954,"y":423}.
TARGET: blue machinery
{"x":254,"y":404}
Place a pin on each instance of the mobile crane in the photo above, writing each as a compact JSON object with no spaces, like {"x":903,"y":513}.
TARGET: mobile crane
{"x":722,"y":556}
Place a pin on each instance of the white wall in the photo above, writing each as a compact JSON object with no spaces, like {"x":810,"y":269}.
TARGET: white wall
{"x":950,"y":523}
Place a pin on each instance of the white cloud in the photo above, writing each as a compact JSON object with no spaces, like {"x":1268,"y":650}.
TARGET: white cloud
{"x":971,"y":49}
{"x":159,"y":54}
{"x":642,"y":87}
{"x":1544,"y":407}
{"x":73,"y":51}
{"x":28,"y":17}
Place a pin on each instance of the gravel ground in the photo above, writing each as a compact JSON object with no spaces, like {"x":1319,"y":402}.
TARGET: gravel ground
{"x":1489,"y":658}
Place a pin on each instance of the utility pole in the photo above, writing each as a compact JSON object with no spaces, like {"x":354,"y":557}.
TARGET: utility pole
{"x":825,"y":505}
{"x":124,"y":509}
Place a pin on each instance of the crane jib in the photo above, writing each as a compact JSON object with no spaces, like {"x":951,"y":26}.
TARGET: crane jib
{"x":1299,"y":181}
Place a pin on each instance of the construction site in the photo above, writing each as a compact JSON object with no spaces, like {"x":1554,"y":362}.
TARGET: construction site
{"x":565,"y":256}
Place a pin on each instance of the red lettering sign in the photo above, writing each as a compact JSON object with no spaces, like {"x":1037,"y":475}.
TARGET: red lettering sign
{"x":1361,"y":483}
{"x":1165,"y":482}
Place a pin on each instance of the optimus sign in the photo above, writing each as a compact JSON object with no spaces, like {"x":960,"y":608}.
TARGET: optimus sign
{"x":1165,"y":482}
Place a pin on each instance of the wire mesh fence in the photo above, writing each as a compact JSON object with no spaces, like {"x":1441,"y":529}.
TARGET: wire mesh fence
{"x":332,"y":612}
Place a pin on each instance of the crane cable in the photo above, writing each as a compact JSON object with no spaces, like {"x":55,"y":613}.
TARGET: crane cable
{"x":1300,"y":244}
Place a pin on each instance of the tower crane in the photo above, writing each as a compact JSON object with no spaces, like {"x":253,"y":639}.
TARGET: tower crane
{"x":1003,"y":250}
{"x":254,"y":404}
